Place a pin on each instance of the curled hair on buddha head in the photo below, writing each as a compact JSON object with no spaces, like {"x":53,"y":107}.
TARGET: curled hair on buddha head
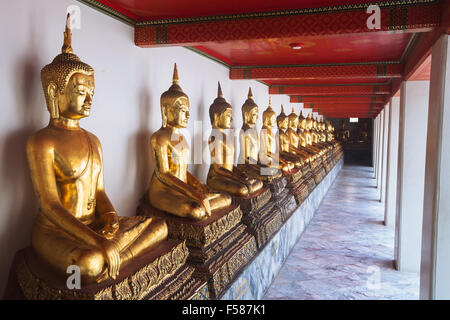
{"x":249,"y":104}
{"x":61,"y":69}
{"x":282,"y":115}
{"x":219,"y":106}
{"x":169,"y":97}
{"x":301,"y":117}
{"x":293,"y":115}
{"x":269,"y":111}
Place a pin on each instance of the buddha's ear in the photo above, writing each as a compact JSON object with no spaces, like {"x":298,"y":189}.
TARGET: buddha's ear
{"x":52,"y":92}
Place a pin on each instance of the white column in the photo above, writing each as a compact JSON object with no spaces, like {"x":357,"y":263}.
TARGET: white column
{"x":375,"y":163}
{"x":380,"y":151}
{"x":384,"y":153}
{"x":411,"y":174}
{"x":435,"y":266}
{"x":392,"y":162}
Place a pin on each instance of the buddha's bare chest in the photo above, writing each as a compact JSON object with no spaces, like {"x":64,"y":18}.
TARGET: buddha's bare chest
{"x":75,"y":159}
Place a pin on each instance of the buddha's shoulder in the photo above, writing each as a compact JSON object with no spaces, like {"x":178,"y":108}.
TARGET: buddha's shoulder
{"x":160,"y":137}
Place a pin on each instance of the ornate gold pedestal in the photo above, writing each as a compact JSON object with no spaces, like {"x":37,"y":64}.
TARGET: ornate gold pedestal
{"x":219,"y":246}
{"x":158,"y":274}
{"x":287,"y":204}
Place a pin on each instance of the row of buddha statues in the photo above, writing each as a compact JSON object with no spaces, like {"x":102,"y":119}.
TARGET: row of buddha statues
{"x":188,"y":239}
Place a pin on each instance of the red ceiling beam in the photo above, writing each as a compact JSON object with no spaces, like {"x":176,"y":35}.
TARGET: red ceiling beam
{"x":327,"y":72}
{"x":332,"y":100}
{"x":331,"y":90}
{"x":412,"y":17}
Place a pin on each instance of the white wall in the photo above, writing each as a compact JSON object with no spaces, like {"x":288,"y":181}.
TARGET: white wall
{"x":129,"y":82}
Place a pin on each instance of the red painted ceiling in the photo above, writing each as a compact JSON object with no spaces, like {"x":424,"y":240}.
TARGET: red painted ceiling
{"x":324,"y":51}
{"x":336,"y":49}
{"x":423,"y":72}
{"x":144,"y":10}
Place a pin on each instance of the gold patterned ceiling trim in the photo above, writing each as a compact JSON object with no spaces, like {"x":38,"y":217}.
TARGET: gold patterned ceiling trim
{"x":122,"y":17}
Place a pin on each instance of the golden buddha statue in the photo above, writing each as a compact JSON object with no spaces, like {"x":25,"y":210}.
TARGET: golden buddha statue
{"x":76,"y":223}
{"x":284,"y":141}
{"x":249,"y":162}
{"x":173,"y":188}
{"x":268,"y":149}
{"x":310,"y":135}
{"x":343,"y":134}
{"x":296,"y":140}
{"x":223,"y":175}
{"x":364,"y":134}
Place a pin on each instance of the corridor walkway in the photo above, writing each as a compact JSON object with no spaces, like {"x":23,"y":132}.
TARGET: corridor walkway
{"x":346,"y":252}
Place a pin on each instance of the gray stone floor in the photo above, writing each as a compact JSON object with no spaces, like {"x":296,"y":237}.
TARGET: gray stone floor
{"x":346,"y":252}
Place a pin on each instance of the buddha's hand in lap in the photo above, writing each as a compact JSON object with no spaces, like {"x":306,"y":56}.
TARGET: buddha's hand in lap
{"x":109,"y":224}
{"x":207,"y":206}
{"x":112,"y":257}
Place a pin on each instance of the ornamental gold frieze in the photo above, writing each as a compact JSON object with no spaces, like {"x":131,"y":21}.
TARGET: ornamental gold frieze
{"x":134,"y":287}
{"x":199,"y":235}
{"x":251,"y":203}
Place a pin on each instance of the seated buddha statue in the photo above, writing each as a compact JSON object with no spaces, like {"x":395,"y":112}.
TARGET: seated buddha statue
{"x":364,"y":134}
{"x":77,"y":223}
{"x":294,"y":139}
{"x":311,"y":135}
{"x":343,"y":134}
{"x":223,"y":175}
{"x":173,"y":188}
{"x":284,"y":142}
{"x":249,"y":161}
{"x":301,"y":133}
{"x":268,"y":149}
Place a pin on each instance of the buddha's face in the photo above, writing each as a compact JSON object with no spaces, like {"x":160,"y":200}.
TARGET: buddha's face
{"x":293,"y":122}
{"x":223,"y":120}
{"x":178,"y":113}
{"x":76,"y":100}
{"x":283,"y":124}
{"x":252,"y":116}
{"x":269,"y":121}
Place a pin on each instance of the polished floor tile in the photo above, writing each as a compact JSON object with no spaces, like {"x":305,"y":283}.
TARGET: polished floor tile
{"x":346,"y":252}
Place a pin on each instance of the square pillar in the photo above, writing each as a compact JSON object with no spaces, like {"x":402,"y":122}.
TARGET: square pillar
{"x":435,"y":266}
{"x":384,"y":153}
{"x":411,"y":174}
{"x":380,"y":150}
{"x":392,"y":162}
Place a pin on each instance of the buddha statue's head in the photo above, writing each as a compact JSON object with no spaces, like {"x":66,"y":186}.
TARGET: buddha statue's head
{"x":269,"y":116}
{"x":250,"y":110}
{"x":301,"y":121}
{"x":293,"y":120}
{"x":68,"y":83}
{"x":282,"y":120}
{"x":220,"y":112}
{"x":309,"y":122}
{"x":175,"y":104}
{"x":342,"y":125}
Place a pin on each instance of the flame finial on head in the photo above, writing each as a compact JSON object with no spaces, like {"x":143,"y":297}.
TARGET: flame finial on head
{"x":67,"y":45}
{"x":250,"y":93}
{"x":175,"y":74}
{"x":219,"y":90}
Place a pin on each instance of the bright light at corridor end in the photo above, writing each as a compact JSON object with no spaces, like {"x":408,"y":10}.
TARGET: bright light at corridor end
{"x":353,"y":119}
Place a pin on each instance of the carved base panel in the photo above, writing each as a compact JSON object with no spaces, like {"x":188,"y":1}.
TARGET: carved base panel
{"x":319,"y":174}
{"x":293,"y":176}
{"x":287,"y":205}
{"x":277,"y":186}
{"x":301,"y":193}
{"x":218,"y":246}
{"x":221,"y":270}
{"x":198,"y":234}
{"x":266,"y":226}
{"x":160,"y":273}
{"x":254,"y":201}
{"x":309,"y":181}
